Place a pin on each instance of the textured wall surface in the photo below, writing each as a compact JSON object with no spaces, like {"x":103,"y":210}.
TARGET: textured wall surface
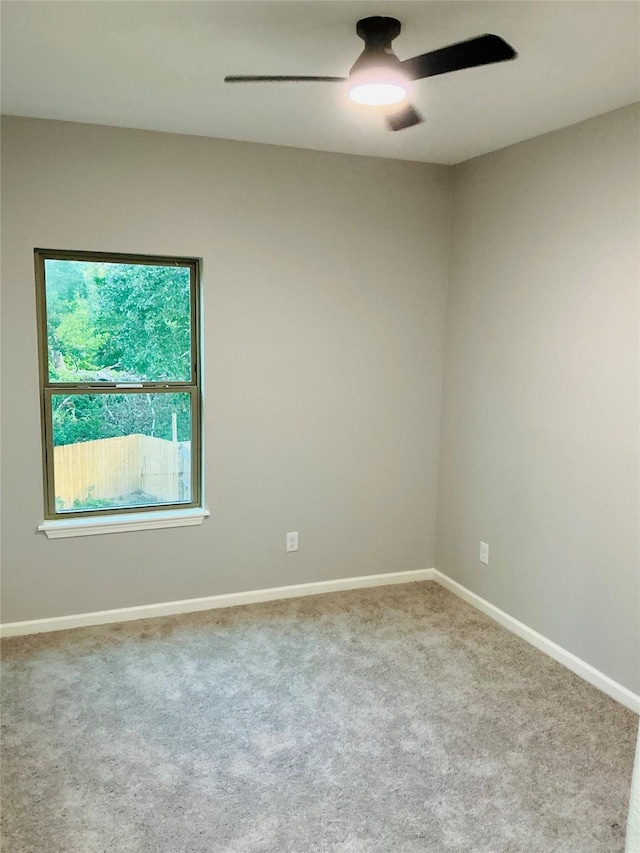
{"x":324,"y":281}
{"x":539,"y":438}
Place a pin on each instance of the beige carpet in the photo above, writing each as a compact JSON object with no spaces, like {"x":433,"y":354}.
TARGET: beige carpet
{"x":390,"y":720}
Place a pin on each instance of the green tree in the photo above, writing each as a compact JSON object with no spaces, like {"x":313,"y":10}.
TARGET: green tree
{"x":145,"y":318}
{"x":86,"y":417}
{"x":72,"y":338}
{"x":118,"y":323}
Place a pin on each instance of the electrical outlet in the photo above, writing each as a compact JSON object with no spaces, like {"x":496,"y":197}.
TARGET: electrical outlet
{"x":292,"y":541}
{"x":484,"y":553}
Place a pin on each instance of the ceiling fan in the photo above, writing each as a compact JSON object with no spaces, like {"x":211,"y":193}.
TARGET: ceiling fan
{"x":379,"y":78}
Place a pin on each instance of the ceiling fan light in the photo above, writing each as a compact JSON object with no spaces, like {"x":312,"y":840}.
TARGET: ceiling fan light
{"x":378,"y":87}
{"x":377,"y":94}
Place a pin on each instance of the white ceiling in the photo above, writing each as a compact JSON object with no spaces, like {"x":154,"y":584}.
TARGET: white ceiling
{"x":160,"y":66}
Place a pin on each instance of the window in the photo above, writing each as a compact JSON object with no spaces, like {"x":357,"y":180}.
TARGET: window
{"x":119,"y":383}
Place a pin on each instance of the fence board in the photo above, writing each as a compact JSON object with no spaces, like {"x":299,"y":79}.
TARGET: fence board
{"x":114,"y":468}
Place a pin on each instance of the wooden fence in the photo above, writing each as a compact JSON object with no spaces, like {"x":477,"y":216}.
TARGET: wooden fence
{"x":114,"y":468}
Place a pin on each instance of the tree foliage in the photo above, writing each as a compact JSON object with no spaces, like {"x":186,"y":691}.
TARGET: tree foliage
{"x":118,"y":323}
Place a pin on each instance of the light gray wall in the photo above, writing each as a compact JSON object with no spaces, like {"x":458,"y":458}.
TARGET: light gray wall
{"x":539,"y":436}
{"x":324,"y":299}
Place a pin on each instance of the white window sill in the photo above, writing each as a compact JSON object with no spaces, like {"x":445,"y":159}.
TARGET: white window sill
{"x":124,"y":523}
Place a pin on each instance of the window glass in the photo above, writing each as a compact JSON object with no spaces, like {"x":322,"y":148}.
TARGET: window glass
{"x":121,"y":450}
{"x":117,"y":322}
{"x":119,"y":382}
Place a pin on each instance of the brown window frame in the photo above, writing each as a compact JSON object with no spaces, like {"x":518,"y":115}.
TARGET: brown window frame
{"x":49,"y":388}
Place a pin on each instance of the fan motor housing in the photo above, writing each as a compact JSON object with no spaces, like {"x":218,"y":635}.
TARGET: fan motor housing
{"x":377,"y":34}
{"x":378,"y":31}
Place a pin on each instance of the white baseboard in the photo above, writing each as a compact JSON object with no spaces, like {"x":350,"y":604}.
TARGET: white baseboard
{"x":211,"y":602}
{"x":234,"y":599}
{"x":575,"y":664}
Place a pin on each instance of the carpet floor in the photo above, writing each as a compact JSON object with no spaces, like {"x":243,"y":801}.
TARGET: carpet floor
{"x":388,"y":720}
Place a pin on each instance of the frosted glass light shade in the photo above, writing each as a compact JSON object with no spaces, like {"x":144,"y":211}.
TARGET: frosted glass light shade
{"x":378,"y":87}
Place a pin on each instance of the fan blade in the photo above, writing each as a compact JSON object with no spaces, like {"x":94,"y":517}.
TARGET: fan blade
{"x":483,"y":50}
{"x":406,"y":117}
{"x":253,"y":79}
